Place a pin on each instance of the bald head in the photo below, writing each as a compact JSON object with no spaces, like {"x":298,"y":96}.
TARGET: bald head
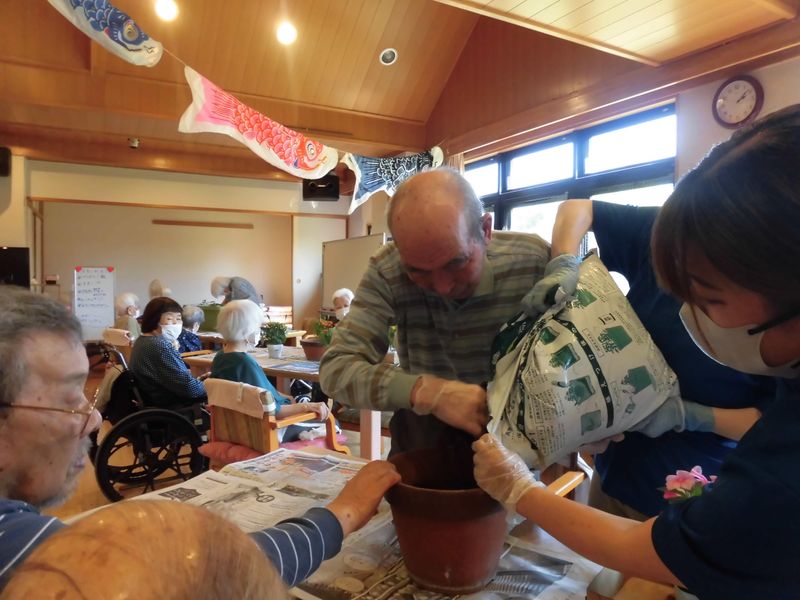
{"x":439,"y":229}
{"x":147,"y":550}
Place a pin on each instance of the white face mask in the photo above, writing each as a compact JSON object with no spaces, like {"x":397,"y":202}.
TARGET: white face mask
{"x":736,"y":347}
{"x":341,"y":312}
{"x":171,"y":332}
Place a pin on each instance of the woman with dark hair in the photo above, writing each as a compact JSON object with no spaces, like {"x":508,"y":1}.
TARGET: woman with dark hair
{"x":160,"y":373}
{"x":725,"y":243}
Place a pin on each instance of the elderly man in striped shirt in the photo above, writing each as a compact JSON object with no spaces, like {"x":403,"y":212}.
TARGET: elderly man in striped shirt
{"x":448,"y":281}
{"x":45,"y":422}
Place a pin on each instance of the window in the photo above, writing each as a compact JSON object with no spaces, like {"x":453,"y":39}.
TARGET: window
{"x":484,"y":179}
{"x":630,"y":160}
{"x":541,"y":166}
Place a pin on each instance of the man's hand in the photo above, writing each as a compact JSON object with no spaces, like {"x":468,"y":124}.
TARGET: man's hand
{"x":359,"y":498}
{"x":461,"y":405}
{"x":560,"y":274}
{"x":501,"y":473}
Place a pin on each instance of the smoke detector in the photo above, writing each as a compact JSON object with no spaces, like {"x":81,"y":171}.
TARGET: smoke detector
{"x":133,"y":143}
{"x":388,"y":57}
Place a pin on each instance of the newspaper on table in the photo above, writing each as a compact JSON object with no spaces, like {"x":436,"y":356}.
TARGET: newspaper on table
{"x":581,"y":372}
{"x":370,"y":567}
{"x":262,"y":491}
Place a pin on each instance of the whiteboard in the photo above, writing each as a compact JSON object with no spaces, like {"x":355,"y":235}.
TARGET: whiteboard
{"x":345,"y":261}
{"x":93,"y":299}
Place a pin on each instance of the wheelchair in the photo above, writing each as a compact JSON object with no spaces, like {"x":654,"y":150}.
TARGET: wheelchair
{"x":146,"y":448}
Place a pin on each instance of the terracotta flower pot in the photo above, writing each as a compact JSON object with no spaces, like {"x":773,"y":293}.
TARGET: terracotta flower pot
{"x":451,"y":532}
{"x":313,"y":348}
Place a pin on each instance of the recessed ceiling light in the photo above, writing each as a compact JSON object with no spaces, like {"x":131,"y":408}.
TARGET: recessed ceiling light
{"x":287,"y":33}
{"x":166,"y":10}
{"x":388,"y":57}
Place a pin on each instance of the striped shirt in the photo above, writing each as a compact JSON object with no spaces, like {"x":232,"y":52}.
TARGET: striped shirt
{"x":447,"y":338}
{"x":296,"y":546}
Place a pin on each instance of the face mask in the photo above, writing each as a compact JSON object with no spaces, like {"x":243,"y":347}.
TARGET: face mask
{"x":736,"y":347}
{"x":341,"y":312}
{"x":171,"y":332}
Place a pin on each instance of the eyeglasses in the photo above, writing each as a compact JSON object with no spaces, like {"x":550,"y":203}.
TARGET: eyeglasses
{"x":72,"y":411}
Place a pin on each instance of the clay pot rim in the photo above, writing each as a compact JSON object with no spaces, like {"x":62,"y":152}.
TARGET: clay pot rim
{"x":408,"y":486}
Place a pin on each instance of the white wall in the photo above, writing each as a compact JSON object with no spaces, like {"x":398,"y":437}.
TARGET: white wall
{"x":309,"y":233}
{"x":185,"y":258}
{"x":370,"y":217}
{"x":697,"y":129}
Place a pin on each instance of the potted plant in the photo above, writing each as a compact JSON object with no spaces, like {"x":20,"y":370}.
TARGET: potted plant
{"x":315,"y":345}
{"x":273,"y":335}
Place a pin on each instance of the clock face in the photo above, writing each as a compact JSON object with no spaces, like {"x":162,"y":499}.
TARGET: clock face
{"x":737,"y":101}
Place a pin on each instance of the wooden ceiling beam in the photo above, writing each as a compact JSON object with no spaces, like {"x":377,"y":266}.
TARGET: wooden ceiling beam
{"x":124,"y":95}
{"x":786,"y":9}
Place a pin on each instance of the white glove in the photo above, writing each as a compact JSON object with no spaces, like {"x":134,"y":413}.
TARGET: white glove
{"x":461,"y":405}
{"x":501,"y":473}
{"x":676,"y":414}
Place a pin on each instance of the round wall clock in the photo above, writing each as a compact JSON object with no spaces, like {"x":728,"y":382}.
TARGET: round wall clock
{"x":737,"y":101}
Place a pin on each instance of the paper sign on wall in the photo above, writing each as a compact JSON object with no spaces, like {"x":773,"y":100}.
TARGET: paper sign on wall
{"x":93,"y":299}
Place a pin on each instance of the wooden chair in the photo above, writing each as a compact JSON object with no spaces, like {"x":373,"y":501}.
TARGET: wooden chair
{"x":120,"y":339}
{"x":242,"y":418}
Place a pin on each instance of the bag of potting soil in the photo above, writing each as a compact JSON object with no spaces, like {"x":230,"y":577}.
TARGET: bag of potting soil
{"x":583,"y":371}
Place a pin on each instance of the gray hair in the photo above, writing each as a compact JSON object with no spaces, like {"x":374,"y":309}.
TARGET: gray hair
{"x":471,"y":205}
{"x":219,"y":285}
{"x":342,"y":293}
{"x":192,"y":315}
{"x":23,"y":313}
{"x":239,"y":319}
{"x":123,"y":301}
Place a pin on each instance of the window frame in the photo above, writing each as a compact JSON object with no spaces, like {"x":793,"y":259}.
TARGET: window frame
{"x":580,"y":185}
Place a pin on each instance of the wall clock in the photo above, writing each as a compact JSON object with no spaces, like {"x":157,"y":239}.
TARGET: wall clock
{"x":737,"y":101}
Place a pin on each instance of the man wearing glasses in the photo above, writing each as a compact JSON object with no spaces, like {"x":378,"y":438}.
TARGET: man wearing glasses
{"x":45,"y":422}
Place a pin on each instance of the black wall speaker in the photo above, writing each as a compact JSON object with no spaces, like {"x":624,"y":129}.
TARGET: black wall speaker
{"x":5,"y":162}
{"x":326,"y":188}
{"x":15,"y":266}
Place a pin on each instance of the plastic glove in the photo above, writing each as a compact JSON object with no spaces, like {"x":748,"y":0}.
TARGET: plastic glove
{"x":501,"y":473}
{"x":600,"y":446}
{"x":461,"y":405}
{"x":560,"y":274}
{"x":676,"y":415}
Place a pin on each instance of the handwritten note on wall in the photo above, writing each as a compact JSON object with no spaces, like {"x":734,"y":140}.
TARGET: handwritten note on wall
{"x":93,"y":299}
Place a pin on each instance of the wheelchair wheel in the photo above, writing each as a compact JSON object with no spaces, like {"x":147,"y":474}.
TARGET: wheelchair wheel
{"x":148,"y":449}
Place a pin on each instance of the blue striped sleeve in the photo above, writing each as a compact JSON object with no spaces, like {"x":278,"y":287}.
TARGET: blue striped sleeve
{"x":22,"y":529}
{"x":298,"y":546}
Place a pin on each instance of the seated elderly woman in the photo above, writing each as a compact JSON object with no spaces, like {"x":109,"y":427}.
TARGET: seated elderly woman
{"x":193,"y":317}
{"x":127,"y":309}
{"x":234,"y":288}
{"x":239,"y":323}
{"x":160,"y":373}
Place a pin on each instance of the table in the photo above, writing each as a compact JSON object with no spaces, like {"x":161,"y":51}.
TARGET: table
{"x":283,"y":370}
{"x":213,"y":339}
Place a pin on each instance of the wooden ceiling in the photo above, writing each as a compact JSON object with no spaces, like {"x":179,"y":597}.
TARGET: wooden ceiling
{"x":652,"y":32}
{"x":63,"y":97}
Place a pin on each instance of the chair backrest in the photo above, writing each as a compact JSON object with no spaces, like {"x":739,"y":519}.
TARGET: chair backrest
{"x":240,"y":414}
{"x":125,"y":398}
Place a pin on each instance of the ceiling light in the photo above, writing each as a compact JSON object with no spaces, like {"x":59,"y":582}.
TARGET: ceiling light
{"x":388,"y":57}
{"x":166,"y":10}
{"x":287,"y":33}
